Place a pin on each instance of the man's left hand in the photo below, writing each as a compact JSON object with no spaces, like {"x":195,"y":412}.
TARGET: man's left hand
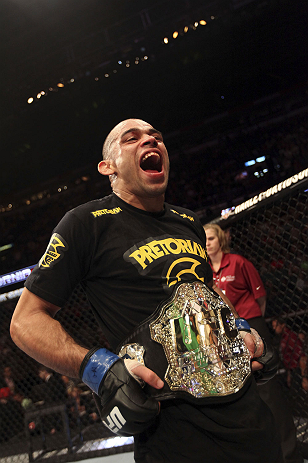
{"x":255,"y":346}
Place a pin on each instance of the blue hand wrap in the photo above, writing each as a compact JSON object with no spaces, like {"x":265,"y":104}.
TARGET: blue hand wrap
{"x":242,"y":324}
{"x":96,"y":368}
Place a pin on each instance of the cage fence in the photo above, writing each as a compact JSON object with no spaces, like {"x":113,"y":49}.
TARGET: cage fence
{"x":274,"y":237}
{"x":44,"y":415}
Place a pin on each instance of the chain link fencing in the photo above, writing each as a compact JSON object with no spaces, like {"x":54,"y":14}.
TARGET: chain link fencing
{"x":46,"y":415}
{"x":273,"y":235}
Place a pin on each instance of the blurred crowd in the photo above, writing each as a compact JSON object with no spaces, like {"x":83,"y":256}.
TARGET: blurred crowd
{"x":219,"y":175}
{"x":209,"y":180}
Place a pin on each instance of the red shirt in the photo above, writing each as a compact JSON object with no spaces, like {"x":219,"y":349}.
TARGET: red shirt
{"x":240,"y":281}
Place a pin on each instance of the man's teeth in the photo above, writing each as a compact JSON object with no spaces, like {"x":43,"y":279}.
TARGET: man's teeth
{"x":150,"y":154}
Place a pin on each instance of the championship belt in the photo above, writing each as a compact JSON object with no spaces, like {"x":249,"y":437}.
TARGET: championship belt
{"x":192,"y":343}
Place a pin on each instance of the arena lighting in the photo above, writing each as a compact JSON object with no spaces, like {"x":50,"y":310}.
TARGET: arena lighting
{"x":241,"y":175}
{"x":260,"y":159}
{"x":260,"y":173}
{"x":6,"y":246}
{"x":250,"y":163}
{"x":175,"y":34}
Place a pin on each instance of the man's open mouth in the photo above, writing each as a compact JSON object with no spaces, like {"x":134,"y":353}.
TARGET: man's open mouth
{"x":151,"y":162}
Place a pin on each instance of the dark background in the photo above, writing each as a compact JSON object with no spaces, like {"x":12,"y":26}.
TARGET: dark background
{"x":246,"y":51}
{"x":222,"y":94}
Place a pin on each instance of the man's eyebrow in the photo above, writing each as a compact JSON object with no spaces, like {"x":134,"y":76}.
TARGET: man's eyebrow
{"x":136,"y":129}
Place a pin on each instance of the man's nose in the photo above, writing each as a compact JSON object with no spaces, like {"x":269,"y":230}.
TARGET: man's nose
{"x":149,"y":140}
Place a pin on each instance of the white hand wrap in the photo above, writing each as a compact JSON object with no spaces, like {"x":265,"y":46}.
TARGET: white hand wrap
{"x":131,"y":364}
{"x":258,"y":343}
{"x":257,"y":340}
{"x":243,"y":334}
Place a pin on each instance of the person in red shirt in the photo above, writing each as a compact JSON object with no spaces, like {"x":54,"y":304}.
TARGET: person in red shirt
{"x":236,"y":276}
{"x":291,"y":347}
{"x":240,"y":281}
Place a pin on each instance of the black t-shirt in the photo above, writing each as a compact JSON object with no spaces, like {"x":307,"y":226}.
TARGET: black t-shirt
{"x":126,"y":259}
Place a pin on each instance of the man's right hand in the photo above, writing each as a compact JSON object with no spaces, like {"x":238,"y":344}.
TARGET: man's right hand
{"x":124,"y":407}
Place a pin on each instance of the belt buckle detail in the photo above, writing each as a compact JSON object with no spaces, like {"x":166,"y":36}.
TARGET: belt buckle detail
{"x":206,"y":355}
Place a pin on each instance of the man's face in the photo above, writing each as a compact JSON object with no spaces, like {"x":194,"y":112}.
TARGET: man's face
{"x":140,"y":159}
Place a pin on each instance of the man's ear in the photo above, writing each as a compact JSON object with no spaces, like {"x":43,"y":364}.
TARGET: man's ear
{"x":106,"y":167}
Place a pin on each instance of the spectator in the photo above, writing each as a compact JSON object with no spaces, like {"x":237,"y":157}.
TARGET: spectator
{"x":291,"y":346}
{"x":237,"y":277}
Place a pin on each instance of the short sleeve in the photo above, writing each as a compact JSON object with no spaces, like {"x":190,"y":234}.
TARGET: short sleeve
{"x":64,"y":263}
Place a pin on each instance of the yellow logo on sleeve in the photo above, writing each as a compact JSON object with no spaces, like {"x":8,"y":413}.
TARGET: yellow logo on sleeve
{"x":54,"y":252}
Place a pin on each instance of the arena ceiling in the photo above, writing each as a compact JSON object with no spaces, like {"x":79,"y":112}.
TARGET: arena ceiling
{"x":246,"y":50}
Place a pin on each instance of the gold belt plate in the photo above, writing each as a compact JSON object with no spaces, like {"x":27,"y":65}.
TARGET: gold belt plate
{"x":206,"y":355}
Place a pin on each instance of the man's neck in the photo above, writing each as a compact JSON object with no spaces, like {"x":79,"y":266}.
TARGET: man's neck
{"x":150,"y":204}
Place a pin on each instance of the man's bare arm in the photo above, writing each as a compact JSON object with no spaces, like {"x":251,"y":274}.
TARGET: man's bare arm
{"x":36,"y":332}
